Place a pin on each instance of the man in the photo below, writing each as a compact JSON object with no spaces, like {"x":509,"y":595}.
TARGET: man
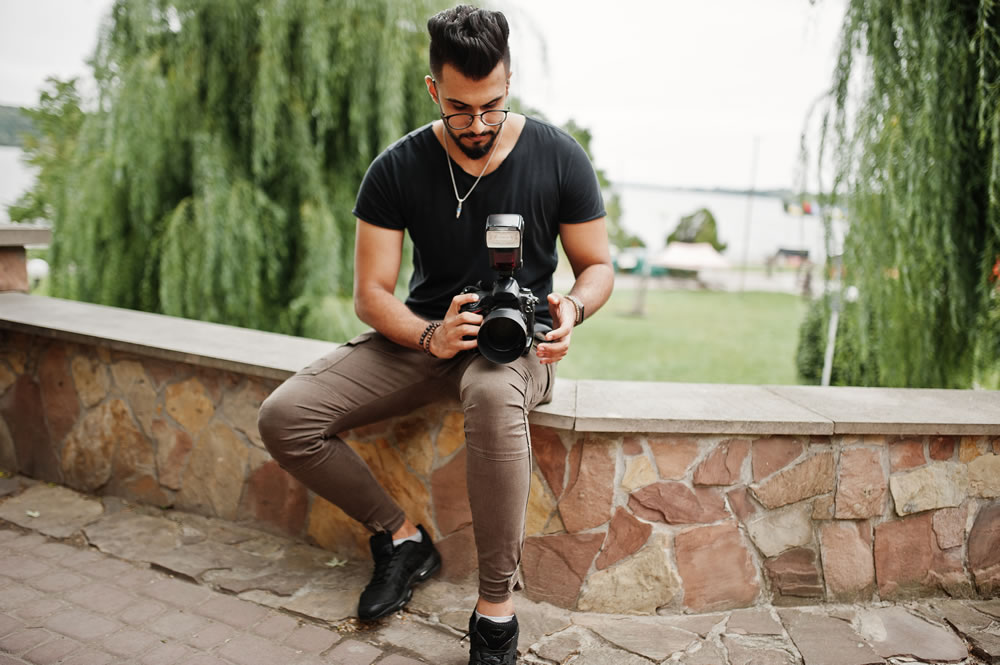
{"x":440,"y":183}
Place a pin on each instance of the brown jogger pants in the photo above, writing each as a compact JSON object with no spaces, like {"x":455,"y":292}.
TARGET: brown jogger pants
{"x":371,"y":378}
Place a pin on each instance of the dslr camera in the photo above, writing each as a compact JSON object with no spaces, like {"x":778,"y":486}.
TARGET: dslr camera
{"x":508,"y":310}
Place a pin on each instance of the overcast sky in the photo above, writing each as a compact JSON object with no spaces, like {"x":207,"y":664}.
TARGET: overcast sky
{"x":674,"y":91}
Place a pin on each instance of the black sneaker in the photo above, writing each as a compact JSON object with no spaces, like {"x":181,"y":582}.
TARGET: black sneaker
{"x":492,"y":643}
{"x":397,"y":570}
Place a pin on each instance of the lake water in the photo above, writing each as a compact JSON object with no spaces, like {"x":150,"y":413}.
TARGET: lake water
{"x":650,"y":213}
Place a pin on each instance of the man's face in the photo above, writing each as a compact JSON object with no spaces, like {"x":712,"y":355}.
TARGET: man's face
{"x":455,"y":93}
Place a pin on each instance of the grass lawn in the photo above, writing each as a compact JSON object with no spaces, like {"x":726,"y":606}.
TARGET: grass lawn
{"x":691,"y":337}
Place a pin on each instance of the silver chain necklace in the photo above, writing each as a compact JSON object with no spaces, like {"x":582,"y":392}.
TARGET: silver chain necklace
{"x":451,"y":172}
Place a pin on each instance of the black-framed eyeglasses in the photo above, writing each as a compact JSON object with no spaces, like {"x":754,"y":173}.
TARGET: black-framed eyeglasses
{"x":464,"y":120}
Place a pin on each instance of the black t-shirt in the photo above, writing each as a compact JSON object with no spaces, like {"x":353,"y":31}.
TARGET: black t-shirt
{"x":547,"y":179}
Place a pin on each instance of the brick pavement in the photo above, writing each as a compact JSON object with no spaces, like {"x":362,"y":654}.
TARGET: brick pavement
{"x":62,"y":604}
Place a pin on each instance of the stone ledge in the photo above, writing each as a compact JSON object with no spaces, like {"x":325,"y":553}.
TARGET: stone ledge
{"x":584,"y":406}
{"x":19,"y":235}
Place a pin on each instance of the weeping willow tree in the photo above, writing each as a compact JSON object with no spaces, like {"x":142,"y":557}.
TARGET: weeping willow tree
{"x":215,"y":176}
{"x":915,"y":134}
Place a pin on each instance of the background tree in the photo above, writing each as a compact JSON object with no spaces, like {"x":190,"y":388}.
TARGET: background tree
{"x":915,"y":127}
{"x":215,"y":176}
{"x":699,"y":226}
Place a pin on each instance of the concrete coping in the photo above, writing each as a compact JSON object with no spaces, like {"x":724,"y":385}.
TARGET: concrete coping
{"x":584,"y":406}
{"x":20,"y":235}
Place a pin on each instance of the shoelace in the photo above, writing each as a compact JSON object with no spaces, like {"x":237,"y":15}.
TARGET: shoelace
{"x":489,"y":656}
{"x":384,"y":568}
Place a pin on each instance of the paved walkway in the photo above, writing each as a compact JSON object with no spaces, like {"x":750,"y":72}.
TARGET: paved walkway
{"x":87,"y":581}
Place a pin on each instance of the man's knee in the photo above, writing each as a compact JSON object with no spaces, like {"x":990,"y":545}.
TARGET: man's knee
{"x":286,"y":422}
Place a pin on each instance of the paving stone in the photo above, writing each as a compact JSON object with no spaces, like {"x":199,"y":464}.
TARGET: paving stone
{"x":109,"y":568}
{"x":81,"y":624}
{"x":233,"y":611}
{"x":603,"y":654}
{"x":699,"y":624}
{"x":535,"y":620}
{"x":141,"y":612}
{"x":276,"y":627}
{"x":562,"y":646}
{"x":894,"y":632}
{"x":20,"y":567}
{"x":175,"y":592}
{"x":756,"y":621}
{"x":748,"y":652}
{"x":54,"y":551}
{"x":39,"y":609}
{"x":252,"y":650}
{"x":9,"y":624}
{"x":312,"y":639}
{"x":168,"y":654}
{"x":16,"y":594}
{"x":176,"y":624}
{"x":396,"y":659}
{"x":24,"y":640}
{"x":129,"y":642}
{"x":28,"y":541}
{"x":823,"y":640}
{"x":653,"y":638}
{"x":327,"y":604}
{"x":52,"y":651}
{"x":704,"y":653}
{"x":352,"y":652}
{"x":102,"y":598}
{"x":429,"y":643}
{"x":210,"y":635}
{"x":56,"y":582}
{"x":88,"y":657}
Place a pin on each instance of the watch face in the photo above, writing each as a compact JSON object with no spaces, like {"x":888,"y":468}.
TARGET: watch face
{"x":503,"y":238}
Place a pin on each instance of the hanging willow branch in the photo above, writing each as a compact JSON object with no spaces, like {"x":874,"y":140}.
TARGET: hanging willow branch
{"x":216,"y":177}
{"x":916,"y":126}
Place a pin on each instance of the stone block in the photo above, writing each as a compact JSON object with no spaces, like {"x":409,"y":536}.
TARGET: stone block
{"x":823,"y":508}
{"x":825,"y":640}
{"x":451,"y":495}
{"x":332,"y":529}
{"x":673,"y":455}
{"x":241,"y":408}
{"x":773,"y":454}
{"x":811,"y":477}
{"x":7,"y":378}
{"x":716,"y":568}
{"x":848,"y":563}
{"x":588,"y":497}
{"x":173,"y":450}
{"x":451,"y":436}
{"x":459,"y":561}
{"x":391,"y":471}
{"x":550,"y":456}
{"x":676,"y":503}
{"x":91,"y":379}
{"x":780,"y":530}
{"x":8,"y":451}
{"x":984,"y":476}
{"x":942,"y":448}
{"x":13,"y":269}
{"x":639,"y":472}
{"x":651,"y":638}
{"x":59,"y":398}
{"x":893,"y":632}
{"x":88,"y":454}
{"x":741,"y":504}
{"x":908,"y":561}
{"x":968,"y":449}
{"x":984,"y":552}
{"x":136,"y":388}
{"x":413,"y":439}
{"x":213,"y":481}
{"x":274,"y":497}
{"x":540,"y":507}
{"x":626,"y":535}
{"x":61,"y":512}
{"x":555,"y":566}
{"x":861,"y":487}
{"x":631,"y":445}
{"x":723,"y":465}
{"x":189,"y":404}
{"x":949,"y":526}
{"x":636,"y":585}
{"x":937,"y":485}
{"x":906,"y":454}
{"x":133,"y":473}
{"x":795,"y":573}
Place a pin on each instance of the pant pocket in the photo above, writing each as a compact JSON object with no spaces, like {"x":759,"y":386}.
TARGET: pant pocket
{"x":329,"y":360}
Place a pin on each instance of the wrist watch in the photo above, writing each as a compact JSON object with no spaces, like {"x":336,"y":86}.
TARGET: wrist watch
{"x":578,"y":304}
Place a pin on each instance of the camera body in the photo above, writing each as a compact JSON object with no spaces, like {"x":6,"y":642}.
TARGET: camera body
{"x":508,"y":310}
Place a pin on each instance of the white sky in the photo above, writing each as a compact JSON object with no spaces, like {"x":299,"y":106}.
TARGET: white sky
{"x":674,"y":91}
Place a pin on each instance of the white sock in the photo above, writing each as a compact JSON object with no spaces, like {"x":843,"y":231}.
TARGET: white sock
{"x":417,"y":538}
{"x":505,"y":619}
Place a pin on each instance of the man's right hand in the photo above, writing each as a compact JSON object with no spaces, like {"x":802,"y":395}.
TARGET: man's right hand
{"x":448,"y":338}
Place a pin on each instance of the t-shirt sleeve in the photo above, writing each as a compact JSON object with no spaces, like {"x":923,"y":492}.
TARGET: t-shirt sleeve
{"x":580,"y":198}
{"x":378,"y":199}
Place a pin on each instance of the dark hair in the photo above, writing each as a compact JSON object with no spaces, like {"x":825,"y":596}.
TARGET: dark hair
{"x":471,"y":40}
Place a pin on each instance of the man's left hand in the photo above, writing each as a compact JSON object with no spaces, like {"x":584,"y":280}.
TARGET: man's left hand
{"x":556,"y":343}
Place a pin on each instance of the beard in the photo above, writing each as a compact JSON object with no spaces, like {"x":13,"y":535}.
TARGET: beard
{"x":477,"y":151}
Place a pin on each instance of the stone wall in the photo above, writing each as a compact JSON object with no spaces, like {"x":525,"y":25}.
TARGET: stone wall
{"x":635,"y":522}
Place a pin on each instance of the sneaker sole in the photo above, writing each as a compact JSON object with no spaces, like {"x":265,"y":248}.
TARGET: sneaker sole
{"x":421,"y":575}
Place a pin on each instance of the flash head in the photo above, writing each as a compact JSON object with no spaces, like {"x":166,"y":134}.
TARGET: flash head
{"x":504,"y":241}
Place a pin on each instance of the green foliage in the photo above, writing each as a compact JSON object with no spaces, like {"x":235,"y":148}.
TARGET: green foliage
{"x":916,"y":138}
{"x":699,"y":226}
{"x":14,"y":124}
{"x":850,"y":366}
{"x":215,"y":177}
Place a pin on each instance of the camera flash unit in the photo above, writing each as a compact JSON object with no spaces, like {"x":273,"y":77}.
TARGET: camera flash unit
{"x":503,"y":240}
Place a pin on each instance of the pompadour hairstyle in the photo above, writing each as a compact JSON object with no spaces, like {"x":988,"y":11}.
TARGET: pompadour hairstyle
{"x":470,"y":39}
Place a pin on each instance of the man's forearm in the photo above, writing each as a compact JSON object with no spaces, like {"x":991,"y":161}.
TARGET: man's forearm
{"x":386,"y":314}
{"x":593,"y":286}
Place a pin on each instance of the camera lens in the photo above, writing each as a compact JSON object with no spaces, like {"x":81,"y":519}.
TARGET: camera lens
{"x":502,"y":335}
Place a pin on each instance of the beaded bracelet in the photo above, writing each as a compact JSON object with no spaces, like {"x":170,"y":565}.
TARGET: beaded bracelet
{"x":425,"y":338}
